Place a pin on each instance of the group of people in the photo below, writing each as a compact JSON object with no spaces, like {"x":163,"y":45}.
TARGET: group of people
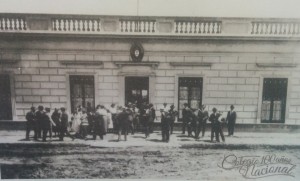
{"x":124,"y":120}
{"x":42,"y":123}
{"x":195,"y":120}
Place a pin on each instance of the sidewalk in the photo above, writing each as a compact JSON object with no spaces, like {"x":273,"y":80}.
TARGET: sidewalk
{"x":176,"y":140}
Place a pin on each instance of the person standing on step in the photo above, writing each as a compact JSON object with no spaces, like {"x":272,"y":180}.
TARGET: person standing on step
{"x":230,"y":119}
{"x":31,"y":123}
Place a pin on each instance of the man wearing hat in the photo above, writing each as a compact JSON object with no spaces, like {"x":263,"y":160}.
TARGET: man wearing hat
{"x":47,"y":124}
{"x":123,"y":123}
{"x":202,"y":117}
{"x":31,"y":123}
{"x":231,"y":118}
{"x":64,"y":125}
{"x":39,"y":115}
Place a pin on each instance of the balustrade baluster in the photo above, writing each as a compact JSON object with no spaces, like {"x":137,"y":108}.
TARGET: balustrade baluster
{"x":6,"y":26}
{"x":126,"y":28}
{"x":17,"y":24}
{"x":130,"y":26}
{"x":59,"y":27}
{"x":296,"y":28}
{"x":179,"y":27}
{"x":71,"y":26}
{"x":205,"y":27}
{"x":76,"y":25}
{"x":54,"y":24}
{"x":81,"y":25}
{"x":88,"y":25}
{"x":14,"y":24}
{"x":92,"y":25}
{"x":290,"y":28}
{"x":64,"y":21}
{"x":185,"y":27}
{"x":252,"y":24}
{"x":1,"y":24}
{"x":135,"y":26}
{"x":99,"y":24}
{"x":213,"y":27}
{"x":139,"y":25}
{"x":147,"y":27}
{"x":200,"y":28}
{"x":144,"y":23}
{"x":121,"y":28}
{"x":176,"y":27}
{"x":20,"y":24}
{"x":195,"y":27}
{"x":188,"y":26}
{"x":25,"y":25}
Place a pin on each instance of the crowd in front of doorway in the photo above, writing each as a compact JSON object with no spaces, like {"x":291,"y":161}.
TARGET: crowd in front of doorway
{"x":124,"y":120}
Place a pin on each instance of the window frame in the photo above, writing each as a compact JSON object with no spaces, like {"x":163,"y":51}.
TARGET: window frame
{"x":272,"y":100}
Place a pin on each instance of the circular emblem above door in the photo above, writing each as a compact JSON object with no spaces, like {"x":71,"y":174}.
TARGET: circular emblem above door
{"x":136,"y":52}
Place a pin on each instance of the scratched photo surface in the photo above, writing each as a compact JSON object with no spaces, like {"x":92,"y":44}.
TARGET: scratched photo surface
{"x":150,"y":89}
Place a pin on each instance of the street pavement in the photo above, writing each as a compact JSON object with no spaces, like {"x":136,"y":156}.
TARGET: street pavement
{"x":176,"y":140}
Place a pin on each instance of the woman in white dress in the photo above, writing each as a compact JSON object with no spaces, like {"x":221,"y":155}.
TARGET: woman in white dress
{"x":76,"y":122}
{"x":103,"y":112}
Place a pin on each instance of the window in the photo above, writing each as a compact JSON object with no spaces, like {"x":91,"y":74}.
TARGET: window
{"x":5,"y":98}
{"x":274,"y":100}
{"x":190,"y":92}
{"x":82,"y":91}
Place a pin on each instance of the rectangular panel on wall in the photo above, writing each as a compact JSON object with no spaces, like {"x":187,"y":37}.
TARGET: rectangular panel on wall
{"x":5,"y":98}
{"x":82,"y":91}
{"x":274,"y":100}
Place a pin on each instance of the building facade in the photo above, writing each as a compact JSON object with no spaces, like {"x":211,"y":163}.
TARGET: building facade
{"x":70,"y":60}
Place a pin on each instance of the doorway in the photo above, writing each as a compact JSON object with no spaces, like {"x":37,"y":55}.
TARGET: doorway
{"x":5,"y":98}
{"x":137,"y":90}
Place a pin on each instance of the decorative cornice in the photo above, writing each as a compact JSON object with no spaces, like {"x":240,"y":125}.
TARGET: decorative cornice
{"x":276,"y":65}
{"x":121,"y":64}
{"x":86,"y":63}
{"x":199,"y":64}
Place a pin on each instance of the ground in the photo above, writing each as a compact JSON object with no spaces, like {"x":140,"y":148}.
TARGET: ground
{"x":182,"y":158}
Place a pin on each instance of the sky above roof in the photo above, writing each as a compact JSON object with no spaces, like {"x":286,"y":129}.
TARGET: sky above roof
{"x":194,"y":8}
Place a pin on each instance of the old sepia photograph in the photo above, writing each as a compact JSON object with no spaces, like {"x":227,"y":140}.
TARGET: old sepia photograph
{"x":150,"y":90}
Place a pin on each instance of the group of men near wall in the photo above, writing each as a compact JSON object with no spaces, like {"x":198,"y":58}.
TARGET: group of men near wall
{"x":122,"y":120}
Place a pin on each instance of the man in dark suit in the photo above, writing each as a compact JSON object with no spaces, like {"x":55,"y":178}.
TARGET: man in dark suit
{"x":31,"y":123}
{"x":45,"y":123}
{"x":202,"y":117}
{"x":39,"y":119}
{"x":213,"y":118}
{"x":123,"y":123}
{"x":64,"y":125}
{"x":231,"y":118}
